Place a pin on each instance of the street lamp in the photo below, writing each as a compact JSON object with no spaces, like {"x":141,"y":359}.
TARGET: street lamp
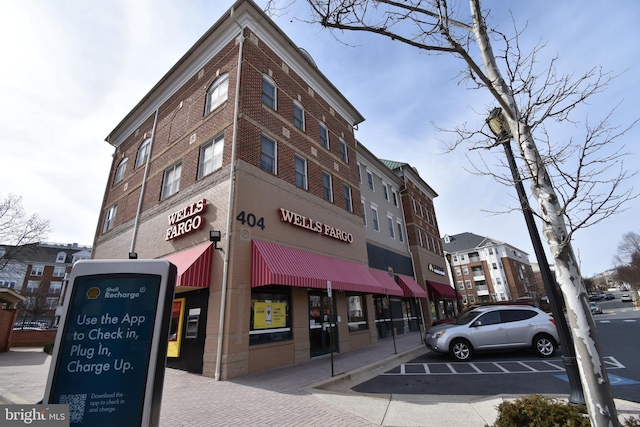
{"x":500,"y":128}
{"x":453,"y":279}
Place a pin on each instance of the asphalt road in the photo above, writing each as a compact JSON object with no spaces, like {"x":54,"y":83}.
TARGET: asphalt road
{"x":521,"y":372}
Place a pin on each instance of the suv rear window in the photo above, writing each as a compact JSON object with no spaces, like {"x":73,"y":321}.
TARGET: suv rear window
{"x":516,"y":315}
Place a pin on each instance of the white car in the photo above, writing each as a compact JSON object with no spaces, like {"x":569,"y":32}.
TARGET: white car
{"x":626,"y":298}
{"x":495,"y":327}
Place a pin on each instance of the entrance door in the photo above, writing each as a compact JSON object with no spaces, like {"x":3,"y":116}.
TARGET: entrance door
{"x":320,"y":324}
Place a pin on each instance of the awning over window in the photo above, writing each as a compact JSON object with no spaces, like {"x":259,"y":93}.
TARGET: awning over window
{"x":194,"y":266}
{"x":410,"y":287}
{"x":386,"y":282}
{"x":281,"y":265}
{"x":440,"y":291}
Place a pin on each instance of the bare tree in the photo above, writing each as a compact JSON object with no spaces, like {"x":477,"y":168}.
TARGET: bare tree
{"x":575,"y":183}
{"x":628,"y":260}
{"x":18,"y":231}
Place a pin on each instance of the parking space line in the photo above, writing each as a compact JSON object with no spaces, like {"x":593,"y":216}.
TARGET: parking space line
{"x":499,"y":366}
{"x":426,"y":368}
{"x":559,"y":368}
{"x":453,"y":371}
{"x":473,"y":365}
{"x":528,"y":367}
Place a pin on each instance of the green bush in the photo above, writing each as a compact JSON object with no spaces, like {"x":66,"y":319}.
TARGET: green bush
{"x":48,"y":348}
{"x":540,"y":411}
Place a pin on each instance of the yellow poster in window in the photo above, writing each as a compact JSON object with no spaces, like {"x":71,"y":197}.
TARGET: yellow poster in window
{"x":175,"y":328}
{"x":269,"y":315}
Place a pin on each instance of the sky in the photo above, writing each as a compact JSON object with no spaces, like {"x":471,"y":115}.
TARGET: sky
{"x":73,"y":69}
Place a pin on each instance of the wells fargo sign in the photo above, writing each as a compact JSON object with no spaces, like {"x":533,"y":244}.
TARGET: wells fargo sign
{"x":316,"y":226}
{"x":186,"y":220}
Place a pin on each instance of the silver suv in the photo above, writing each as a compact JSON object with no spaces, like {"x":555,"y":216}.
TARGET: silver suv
{"x":495,"y":327}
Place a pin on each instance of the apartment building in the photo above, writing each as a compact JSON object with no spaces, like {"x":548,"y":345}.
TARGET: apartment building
{"x":488,"y":270}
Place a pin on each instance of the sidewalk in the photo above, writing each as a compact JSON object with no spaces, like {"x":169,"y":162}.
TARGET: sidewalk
{"x":304,"y":394}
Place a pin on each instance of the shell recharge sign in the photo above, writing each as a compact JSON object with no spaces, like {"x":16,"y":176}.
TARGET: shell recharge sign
{"x":186,"y":220}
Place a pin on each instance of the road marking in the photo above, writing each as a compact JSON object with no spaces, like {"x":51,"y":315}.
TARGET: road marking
{"x":629,"y":320}
{"x":486,"y":368}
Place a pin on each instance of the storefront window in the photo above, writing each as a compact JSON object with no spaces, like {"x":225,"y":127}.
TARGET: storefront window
{"x":270,"y":315}
{"x":357,"y":313}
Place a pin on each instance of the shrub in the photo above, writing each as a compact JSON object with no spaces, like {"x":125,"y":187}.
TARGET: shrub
{"x":48,"y":348}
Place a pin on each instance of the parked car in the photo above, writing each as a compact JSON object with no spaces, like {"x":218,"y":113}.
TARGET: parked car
{"x":595,"y":297}
{"x":595,"y":308}
{"x":625,"y":298}
{"x":495,"y":327}
{"x":609,"y":296}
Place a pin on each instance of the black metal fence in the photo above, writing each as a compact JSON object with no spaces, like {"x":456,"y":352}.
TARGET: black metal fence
{"x":34,"y":323}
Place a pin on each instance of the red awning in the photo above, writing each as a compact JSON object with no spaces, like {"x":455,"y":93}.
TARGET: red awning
{"x":194,"y":266}
{"x":410,"y":287}
{"x":274,"y":264}
{"x":440,"y":291}
{"x":386,"y":282}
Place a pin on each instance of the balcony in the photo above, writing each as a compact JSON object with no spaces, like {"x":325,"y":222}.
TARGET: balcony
{"x":482,"y":290}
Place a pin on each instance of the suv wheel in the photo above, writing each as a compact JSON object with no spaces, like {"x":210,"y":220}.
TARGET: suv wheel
{"x":461,"y":349}
{"x":544,"y":345}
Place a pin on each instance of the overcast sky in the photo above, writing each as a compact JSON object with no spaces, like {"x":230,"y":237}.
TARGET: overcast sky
{"x":73,"y":69}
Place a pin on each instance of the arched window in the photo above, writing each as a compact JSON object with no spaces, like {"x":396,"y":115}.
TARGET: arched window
{"x":217,"y":93}
{"x":143,"y":152}
{"x":122,"y":167}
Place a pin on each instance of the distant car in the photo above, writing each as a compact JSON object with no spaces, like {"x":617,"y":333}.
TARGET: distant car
{"x":495,"y":327}
{"x":595,"y":297}
{"x":626,"y":298}
{"x":595,"y":308}
{"x":609,"y":296}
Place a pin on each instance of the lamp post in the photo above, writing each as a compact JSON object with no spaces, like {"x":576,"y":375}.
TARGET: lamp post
{"x":500,"y":129}
{"x":455,"y":285}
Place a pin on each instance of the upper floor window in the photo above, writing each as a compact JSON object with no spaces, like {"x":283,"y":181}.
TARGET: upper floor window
{"x":109,"y":218}
{"x":211,"y":156}
{"x":120,"y":170}
{"x":385,"y":191}
{"x":55,"y":287}
{"x":394,"y":195}
{"x":301,"y":172}
{"x":327,"y":187}
{"x":343,"y":151}
{"x":61,"y":257}
{"x":374,"y":218}
{"x":171,"y":181}
{"x":269,"y":92}
{"x":217,"y":93}
{"x":348,"y":203}
{"x":268,"y":155}
{"x":364,"y":212}
{"x":324,"y":136}
{"x":37,"y":270}
{"x":390,"y":225}
{"x":298,"y":116}
{"x":359,"y":173}
{"x":400,"y":233}
{"x":59,"y":271}
{"x":370,"y":181}
{"x":33,"y":285}
{"x":143,"y":152}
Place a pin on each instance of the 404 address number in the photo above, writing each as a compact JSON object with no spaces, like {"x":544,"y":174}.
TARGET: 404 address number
{"x":250,"y":219}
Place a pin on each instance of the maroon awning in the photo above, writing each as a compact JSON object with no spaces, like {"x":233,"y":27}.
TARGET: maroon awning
{"x":274,"y":264}
{"x":410,"y":287}
{"x":194,"y":266}
{"x":440,"y":291}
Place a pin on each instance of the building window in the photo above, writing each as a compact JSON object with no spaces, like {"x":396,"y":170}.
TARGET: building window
{"x":217,"y":93}
{"x":109,"y":218}
{"x":37,"y":270}
{"x":370,"y":181}
{"x":357,"y":313}
{"x":395,"y":198}
{"x":51,"y":303}
{"x":465,"y":270}
{"x":460,"y":285}
{"x":472,"y":299}
{"x":343,"y":151}
{"x":458,"y":272}
{"x":59,"y":271}
{"x":490,"y":250}
{"x":120,"y":170}
{"x":327,"y":190}
{"x":33,"y":285}
{"x":270,"y":316}
{"x":400,"y":233}
{"x":364,"y":212}
{"x":392,"y":233}
{"x":359,"y":173}
{"x":171,"y":181}
{"x":301,"y":172}
{"x":269,"y":92}
{"x":494,"y":265}
{"x":468,"y":283}
{"x":211,"y":156}
{"x":298,"y":116}
{"x":324,"y":136}
{"x":61,"y":257}
{"x":143,"y":153}
{"x":268,"y":156}
{"x":348,"y":203}
{"x":55,"y":287}
{"x":374,"y":218}
{"x":385,"y":191}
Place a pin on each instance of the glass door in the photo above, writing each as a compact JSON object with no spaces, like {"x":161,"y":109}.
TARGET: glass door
{"x":321,"y":324}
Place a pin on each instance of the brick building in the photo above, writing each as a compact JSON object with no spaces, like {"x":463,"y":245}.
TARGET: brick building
{"x":240,"y":167}
{"x":487,"y":270}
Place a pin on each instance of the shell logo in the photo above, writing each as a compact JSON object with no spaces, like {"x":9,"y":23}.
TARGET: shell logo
{"x":93,"y":293}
